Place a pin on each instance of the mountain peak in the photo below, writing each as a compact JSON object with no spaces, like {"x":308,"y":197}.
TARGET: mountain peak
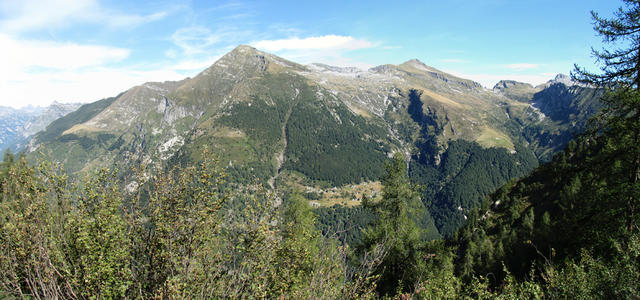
{"x":245,"y":49}
{"x":416,"y":63}
{"x":249,"y":58}
{"x":561,"y":78}
{"x":519,"y":91}
{"x":243,"y":52}
{"x":505,"y":84}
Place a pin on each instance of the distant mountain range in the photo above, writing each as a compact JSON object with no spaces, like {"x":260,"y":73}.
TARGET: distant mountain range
{"x":17,"y":126}
{"x":328,"y":130}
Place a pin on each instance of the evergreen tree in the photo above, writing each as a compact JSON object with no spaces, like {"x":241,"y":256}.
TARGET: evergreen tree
{"x":618,"y":130}
{"x":396,"y":231}
{"x":621,"y":64}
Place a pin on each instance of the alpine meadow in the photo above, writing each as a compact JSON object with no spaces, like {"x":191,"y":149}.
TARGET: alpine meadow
{"x":277,"y":171}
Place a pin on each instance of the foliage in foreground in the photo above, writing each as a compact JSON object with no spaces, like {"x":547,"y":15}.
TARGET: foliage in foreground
{"x":178,"y":236}
{"x":165,"y":237}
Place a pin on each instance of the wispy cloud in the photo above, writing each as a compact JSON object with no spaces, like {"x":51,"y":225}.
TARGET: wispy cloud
{"x":195,"y":65}
{"x":30,"y":15}
{"x":316,"y":42}
{"x":284,"y":29}
{"x":329,"y":49}
{"x":522,"y":66}
{"x":118,"y":20}
{"x":194,"y":40}
{"x":453,"y":60}
{"x":198,"y":40}
{"x":489,"y":80}
{"x":24,"y":54}
{"x":38,"y":72}
{"x":89,"y":84}
{"x":232,"y":5}
{"x":234,"y":17}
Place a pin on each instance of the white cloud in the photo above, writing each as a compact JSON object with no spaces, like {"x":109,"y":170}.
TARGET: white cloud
{"x":20,"y":55}
{"x":522,"y":66}
{"x":489,"y":80}
{"x":316,"y":42}
{"x":28,"y":15}
{"x":77,"y":86}
{"x":327,"y":49}
{"x":119,"y":20}
{"x":194,"y":40}
{"x":229,"y":6}
{"x":198,"y":41}
{"x":454,"y":60}
{"x":88,"y":84}
{"x":171,"y":53}
{"x":39,"y":72}
{"x":194,"y":65}
{"x":329,"y":57}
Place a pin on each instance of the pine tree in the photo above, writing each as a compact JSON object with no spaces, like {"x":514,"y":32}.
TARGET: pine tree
{"x":620,"y":65}
{"x":396,"y":230}
{"x":618,"y":127}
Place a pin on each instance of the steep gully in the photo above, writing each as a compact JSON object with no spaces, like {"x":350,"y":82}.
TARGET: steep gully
{"x":280,"y":154}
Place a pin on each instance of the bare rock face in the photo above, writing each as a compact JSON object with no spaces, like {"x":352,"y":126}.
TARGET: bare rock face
{"x":509,"y":84}
{"x":512,"y":89}
{"x":564,"y":79}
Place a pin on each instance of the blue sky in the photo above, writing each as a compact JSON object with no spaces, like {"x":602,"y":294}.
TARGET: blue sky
{"x":85,"y":50}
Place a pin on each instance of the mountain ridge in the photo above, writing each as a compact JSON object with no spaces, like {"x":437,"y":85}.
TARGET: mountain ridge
{"x":315,"y":126}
